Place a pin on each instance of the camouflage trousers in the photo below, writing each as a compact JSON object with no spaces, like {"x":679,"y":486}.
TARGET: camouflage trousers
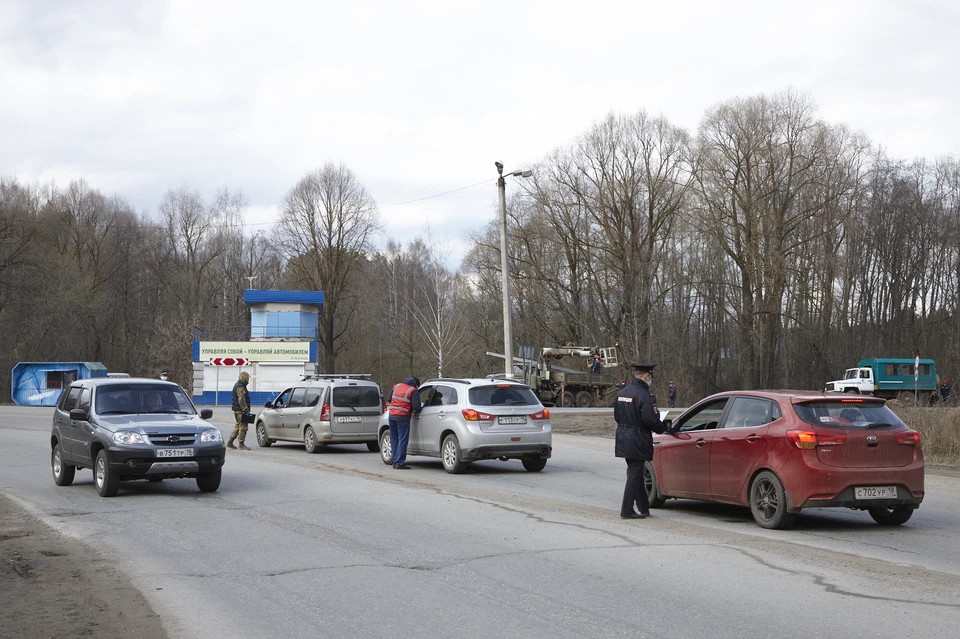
{"x":240,"y":431}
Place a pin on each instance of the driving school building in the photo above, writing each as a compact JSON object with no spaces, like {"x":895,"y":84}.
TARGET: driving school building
{"x":281,"y":350}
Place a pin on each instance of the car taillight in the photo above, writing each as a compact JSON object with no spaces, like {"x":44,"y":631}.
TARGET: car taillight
{"x":325,"y":413}
{"x":472,"y":415}
{"x":383,"y":408}
{"x":544,"y":414}
{"x":909,"y":438}
{"x":808,"y":440}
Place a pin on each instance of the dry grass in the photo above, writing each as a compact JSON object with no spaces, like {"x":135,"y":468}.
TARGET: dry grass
{"x":939,"y":430}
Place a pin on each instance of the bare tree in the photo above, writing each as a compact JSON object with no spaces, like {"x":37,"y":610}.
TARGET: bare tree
{"x":325,"y":228}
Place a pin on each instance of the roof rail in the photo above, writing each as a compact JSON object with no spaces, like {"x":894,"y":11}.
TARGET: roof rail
{"x":337,"y":376}
{"x":447,"y":379}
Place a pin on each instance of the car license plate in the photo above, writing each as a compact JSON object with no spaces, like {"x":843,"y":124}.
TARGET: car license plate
{"x":875,"y":492}
{"x":512,"y":419}
{"x":349,"y":419}
{"x":175,"y":452}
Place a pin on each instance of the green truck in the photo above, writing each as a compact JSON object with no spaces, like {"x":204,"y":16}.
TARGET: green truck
{"x":890,"y":378}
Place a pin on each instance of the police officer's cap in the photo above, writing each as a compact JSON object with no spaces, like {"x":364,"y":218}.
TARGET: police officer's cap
{"x":643,"y":368}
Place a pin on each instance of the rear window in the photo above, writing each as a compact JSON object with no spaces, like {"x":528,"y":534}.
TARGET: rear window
{"x":356,"y":396}
{"x":847,"y":414}
{"x":512,"y":395}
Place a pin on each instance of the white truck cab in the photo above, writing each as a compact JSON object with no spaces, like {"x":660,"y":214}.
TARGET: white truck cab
{"x":855,"y":380}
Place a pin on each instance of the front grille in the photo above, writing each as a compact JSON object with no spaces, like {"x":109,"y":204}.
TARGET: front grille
{"x":182,"y":439}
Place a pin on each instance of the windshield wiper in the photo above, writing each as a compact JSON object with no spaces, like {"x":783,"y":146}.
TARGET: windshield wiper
{"x":115,"y":412}
{"x":879,"y":425}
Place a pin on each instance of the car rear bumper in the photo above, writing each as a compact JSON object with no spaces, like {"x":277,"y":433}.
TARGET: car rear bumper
{"x":130,"y":463}
{"x":846,"y":499}
{"x":817,"y":485}
{"x":512,"y":451}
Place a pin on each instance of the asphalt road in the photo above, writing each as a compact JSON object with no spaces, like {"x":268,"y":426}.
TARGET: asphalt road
{"x":338,"y":544}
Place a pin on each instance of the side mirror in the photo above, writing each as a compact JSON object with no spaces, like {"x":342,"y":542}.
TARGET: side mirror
{"x":79,"y":415}
{"x":668,"y":423}
{"x":206,"y":413}
{"x":268,"y":405}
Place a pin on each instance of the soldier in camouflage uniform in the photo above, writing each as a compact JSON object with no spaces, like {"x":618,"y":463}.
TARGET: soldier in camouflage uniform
{"x":241,"y":406}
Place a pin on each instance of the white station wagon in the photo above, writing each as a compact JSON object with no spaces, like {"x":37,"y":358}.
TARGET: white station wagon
{"x":321,"y":410}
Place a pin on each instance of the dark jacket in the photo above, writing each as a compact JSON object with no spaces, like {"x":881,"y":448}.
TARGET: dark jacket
{"x":240,"y":400}
{"x":637,"y":419}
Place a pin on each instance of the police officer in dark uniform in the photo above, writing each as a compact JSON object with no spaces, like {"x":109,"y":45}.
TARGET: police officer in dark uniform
{"x":637,"y":419}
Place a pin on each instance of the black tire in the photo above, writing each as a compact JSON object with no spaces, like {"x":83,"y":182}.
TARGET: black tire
{"x":262,"y":440}
{"x":209,"y":482}
{"x":584,"y":399}
{"x":63,"y":473}
{"x":769,"y":503}
{"x":373,"y":447}
{"x":450,"y":455}
{"x":310,"y":441}
{"x":106,"y":480}
{"x":386,"y":451}
{"x":906,"y":397}
{"x":893,"y":516}
{"x":568,"y":399}
{"x":852,"y":390}
{"x":652,"y":486}
{"x":534,"y":464}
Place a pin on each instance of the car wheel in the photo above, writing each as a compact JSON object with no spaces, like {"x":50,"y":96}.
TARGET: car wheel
{"x":768,"y":502}
{"x":209,"y":482}
{"x":891,"y":516}
{"x":534,"y":464}
{"x":262,"y":440}
{"x":568,"y":399}
{"x":310,"y":441}
{"x":105,"y":479}
{"x":584,"y":399}
{"x":852,"y":391}
{"x":386,"y":450}
{"x":63,"y":473}
{"x":373,"y":447}
{"x":450,"y":454}
{"x":652,"y":486}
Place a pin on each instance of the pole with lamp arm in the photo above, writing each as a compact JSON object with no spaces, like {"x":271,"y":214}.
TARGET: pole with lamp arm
{"x":504,"y":267}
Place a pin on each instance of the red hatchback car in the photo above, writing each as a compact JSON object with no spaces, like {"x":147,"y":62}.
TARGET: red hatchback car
{"x":781,"y":451}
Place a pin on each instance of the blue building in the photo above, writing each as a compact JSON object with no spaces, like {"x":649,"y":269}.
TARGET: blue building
{"x":281,"y":349}
{"x":40,"y":383}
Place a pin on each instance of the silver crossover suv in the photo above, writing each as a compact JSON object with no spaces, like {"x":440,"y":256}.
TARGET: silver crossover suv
{"x":465,"y":420}
{"x":321,"y":410}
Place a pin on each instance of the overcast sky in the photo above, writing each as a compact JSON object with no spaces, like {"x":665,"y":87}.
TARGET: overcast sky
{"x":419,"y":98}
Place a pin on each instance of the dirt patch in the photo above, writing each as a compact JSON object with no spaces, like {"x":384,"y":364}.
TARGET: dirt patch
{"x":583,"y":424}
{"x":53,"y":586}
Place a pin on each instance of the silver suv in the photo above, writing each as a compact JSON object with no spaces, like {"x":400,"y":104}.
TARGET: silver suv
{"x":466,"y":420}
{"x":321,"y":410}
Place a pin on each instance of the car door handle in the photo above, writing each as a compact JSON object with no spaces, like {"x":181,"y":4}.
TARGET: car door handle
{"x":701,"y":443}
{"x":753,"y":438}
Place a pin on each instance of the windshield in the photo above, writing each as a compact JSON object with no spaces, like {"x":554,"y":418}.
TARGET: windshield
{"x":132,"y":399}
{"x":847,"y":414}
{"x":503,"y":395}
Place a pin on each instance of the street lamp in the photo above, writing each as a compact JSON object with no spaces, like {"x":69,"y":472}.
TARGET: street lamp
{"x":504,"y":273}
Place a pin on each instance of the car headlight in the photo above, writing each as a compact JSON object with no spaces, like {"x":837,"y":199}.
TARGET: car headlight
{"x":129,"y":437}
{"x":212,"y":435}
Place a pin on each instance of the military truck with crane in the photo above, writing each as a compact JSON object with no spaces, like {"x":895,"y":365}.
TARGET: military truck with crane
{"x":560,"y":386}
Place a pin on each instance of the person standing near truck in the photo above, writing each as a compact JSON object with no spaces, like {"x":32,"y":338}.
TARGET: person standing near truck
{"x":637,"y":419}
{"x":944,"y":391}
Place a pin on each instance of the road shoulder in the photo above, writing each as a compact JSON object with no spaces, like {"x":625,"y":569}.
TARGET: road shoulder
{"x":54,"y":586}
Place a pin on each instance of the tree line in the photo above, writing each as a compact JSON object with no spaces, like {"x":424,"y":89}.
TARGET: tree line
{"x":768,"y":249}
